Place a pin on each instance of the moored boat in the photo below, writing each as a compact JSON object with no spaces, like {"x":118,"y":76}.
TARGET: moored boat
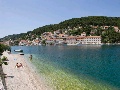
{"x":19,"y":50}
{"x":21,"y":53}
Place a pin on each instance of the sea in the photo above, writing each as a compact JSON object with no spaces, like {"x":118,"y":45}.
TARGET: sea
{"x":85,"y":67}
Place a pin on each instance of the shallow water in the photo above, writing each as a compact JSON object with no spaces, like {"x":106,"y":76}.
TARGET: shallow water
{"x":85,"y":67}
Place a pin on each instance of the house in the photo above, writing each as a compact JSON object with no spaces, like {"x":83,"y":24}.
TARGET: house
{"x":36,"y":41}
{"x":116,"y":29}
{"x":23,"y":42}
{"x":50,"y":41}
{"x":106,"y":27}
{"x":59,"y":41}
{"x":71,"y":40}
{"x":83,"y":34}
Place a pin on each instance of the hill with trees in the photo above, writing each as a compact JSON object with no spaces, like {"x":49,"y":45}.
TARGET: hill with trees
{"x":76,"y":26}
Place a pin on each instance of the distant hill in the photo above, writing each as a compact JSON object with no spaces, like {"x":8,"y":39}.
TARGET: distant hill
{"x":71,"y":24}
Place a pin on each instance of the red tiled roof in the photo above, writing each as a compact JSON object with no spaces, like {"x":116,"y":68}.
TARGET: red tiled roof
{"x":93,"y":37}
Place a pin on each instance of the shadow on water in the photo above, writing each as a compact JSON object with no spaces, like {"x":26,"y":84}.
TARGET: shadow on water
{"x":100,"y":63}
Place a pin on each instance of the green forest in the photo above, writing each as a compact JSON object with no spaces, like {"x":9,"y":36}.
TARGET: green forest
{"x":108,"y":35}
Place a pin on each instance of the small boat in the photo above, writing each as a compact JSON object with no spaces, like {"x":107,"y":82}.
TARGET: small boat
{"x":21,"y":53}
{"x":19,"y":50}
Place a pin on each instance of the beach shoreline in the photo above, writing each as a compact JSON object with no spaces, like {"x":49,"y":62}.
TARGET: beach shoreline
{"x":22,"y":78}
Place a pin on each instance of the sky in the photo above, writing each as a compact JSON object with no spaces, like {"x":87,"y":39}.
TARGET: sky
{"x":21,"y":16}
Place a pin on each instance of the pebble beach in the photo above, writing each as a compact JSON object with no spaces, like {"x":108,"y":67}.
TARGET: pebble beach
{"x":21,"y":78}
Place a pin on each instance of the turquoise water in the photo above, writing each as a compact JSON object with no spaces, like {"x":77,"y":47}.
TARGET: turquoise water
{"x":91,"y":67}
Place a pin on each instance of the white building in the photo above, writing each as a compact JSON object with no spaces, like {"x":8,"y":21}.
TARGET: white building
{"x":83,"y":34}
{"x":92,"y":40}
{"x":83,"y":39}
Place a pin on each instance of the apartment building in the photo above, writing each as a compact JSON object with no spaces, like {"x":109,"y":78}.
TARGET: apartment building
{"x":92,"y":40}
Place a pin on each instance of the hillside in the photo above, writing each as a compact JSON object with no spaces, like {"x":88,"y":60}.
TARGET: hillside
{"x":72,"y":24}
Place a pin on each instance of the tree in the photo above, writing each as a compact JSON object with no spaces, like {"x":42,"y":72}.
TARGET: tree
{"x":43,"y":42}
{"x":4,"y":47}
{"x":3,"y":59}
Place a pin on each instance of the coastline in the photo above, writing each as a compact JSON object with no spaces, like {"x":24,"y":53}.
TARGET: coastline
{"x":22,"y":78}
{"x":65,"y":80}
{"x":59,"y":78}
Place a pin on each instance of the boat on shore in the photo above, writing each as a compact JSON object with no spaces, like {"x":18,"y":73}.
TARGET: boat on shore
{"x":19,"y":50}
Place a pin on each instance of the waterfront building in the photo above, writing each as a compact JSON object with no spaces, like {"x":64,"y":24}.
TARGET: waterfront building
{"x":71,"y":40}
{"x":83,"y":39}
{"x":92,"y":40}
{"x":23,"y":42}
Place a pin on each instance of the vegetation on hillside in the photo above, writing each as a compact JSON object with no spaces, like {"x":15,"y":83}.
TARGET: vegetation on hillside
{"x":108,"y":35}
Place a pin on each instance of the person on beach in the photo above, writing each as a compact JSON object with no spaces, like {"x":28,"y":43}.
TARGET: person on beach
{"x":30,"y":57}
{"x":17,"y":65}
{"x":20,"y":65}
